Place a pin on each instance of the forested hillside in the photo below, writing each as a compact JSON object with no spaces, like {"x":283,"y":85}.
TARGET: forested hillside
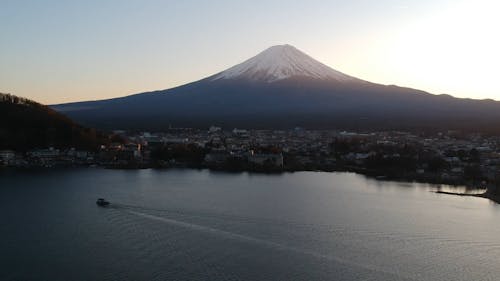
{"x":26,"y":124}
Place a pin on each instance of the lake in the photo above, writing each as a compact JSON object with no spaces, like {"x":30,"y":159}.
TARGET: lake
{"x":205,"y":225}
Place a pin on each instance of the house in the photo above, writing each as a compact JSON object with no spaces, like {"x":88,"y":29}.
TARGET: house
{"x":6,"y":156}
{"x":131,"y":151}
{"x":240,"y":132}
{"x":45,"y":154}
{"x":214,"y":129}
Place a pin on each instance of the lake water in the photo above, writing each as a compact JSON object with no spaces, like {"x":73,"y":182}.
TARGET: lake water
{"x":202,"y":225}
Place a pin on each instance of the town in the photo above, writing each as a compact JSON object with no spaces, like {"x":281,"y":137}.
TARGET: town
{"x":451,"y":157}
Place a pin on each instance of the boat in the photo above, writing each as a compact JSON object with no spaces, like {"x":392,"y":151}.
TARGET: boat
{"x":101,"y":202}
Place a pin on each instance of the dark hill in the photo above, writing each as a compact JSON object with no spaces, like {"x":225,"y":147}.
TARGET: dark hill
{"x":25,"y":124}
{"x":288,"y":104}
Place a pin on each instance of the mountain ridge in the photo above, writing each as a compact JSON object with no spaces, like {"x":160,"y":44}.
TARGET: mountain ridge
{"x":290,"y":94}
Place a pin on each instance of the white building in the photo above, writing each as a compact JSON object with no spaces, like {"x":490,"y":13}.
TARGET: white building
{"x":49,"y":153}
{"x":214,"y":129}
{"x":7,"y":155}
{"x":240,"y":132}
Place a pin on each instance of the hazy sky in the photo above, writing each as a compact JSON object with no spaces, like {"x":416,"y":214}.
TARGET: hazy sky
{"x":61,"y":51}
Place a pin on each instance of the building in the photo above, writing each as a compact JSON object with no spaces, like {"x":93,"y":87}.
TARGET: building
{"x":6,"y":156}
{"x":240,"y":132}
{"x":45,"y":154}
{"x":214,"y":129}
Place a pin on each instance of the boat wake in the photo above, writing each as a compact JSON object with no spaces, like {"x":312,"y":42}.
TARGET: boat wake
{"x":143,"y":212}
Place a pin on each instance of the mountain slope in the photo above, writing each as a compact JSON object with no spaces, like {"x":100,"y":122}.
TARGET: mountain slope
{"x":283,"y":88}
{"x":282,"y":62}
{"x":25,"y":124}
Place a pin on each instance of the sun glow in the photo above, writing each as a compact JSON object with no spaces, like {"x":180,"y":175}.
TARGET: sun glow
{"x":455,"y":51}
{"x":55,"y":53}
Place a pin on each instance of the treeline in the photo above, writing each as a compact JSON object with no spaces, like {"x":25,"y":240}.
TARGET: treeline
{"x":402,"y":161}
{"x":190,"y":154}
{"x":12,"y":99}
{"x":26,"y":124}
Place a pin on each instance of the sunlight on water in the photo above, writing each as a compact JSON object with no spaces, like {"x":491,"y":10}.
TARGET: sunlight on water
{"x":188,"y":224}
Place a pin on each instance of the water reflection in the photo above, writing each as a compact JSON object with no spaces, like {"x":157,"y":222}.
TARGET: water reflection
{"x":199,"y":224}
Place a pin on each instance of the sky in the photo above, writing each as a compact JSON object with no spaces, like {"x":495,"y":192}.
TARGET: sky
{"x":63,"y":51}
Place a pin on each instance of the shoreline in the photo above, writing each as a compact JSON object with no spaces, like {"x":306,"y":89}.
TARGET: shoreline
{"x":486,"y":195}
{"x":366,"y":173}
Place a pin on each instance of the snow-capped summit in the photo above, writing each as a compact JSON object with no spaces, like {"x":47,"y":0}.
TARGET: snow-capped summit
{"x":284,"y":88}
{"x":282,"y":62}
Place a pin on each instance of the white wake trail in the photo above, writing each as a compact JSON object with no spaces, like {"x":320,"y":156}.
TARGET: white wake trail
{"x":266,"y":243}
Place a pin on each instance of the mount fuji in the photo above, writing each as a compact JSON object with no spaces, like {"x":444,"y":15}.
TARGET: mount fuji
{"x":282,"y":62}
{"x":283,"y":87}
